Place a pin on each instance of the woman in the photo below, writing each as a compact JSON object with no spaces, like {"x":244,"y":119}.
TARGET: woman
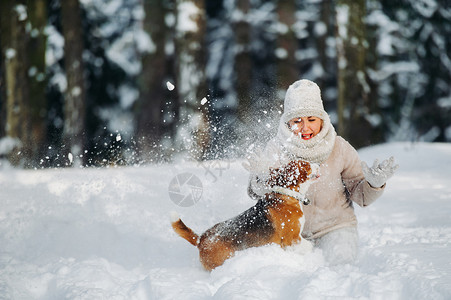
{"x":305,"y":132}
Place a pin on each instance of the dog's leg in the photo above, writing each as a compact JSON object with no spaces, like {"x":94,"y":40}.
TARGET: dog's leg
{"x":213,"y":253}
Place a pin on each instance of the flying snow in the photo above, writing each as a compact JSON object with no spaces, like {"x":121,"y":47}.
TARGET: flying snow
{"x":170,"y":86}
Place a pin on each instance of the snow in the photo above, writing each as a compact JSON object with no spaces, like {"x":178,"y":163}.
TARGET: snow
{"x":170,"y":86}
{"x":10,"y":53}
{"x":128,"y":96}
{"x":342,"y":21}
{"x":21,"y":11}
{"x":188,"y":12}
{"x":425,"y":7}
{"x":70,"y":156}
{"x":123,"y":53}
{"x":388,"y":70}
{"x":106,"y":234}
{"x":7,"y":144}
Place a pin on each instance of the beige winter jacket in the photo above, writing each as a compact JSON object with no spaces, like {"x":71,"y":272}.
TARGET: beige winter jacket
{"x":341,"y":182}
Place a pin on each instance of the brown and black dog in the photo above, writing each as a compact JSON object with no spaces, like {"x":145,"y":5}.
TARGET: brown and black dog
{"x":276,"y":218}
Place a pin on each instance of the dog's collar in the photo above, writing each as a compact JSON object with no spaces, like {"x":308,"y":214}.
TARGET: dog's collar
{"x":284,"y":191}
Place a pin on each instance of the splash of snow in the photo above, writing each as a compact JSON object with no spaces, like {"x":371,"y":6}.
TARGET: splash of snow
{"x":7,"y":144}
{"x":170,"y":86}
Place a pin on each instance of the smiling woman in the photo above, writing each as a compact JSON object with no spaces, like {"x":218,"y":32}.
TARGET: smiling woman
{"x":306,"y":127}
{"x":305,"y":132}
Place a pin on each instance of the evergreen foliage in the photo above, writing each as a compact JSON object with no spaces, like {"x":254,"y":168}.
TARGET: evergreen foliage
{"x":251,"y":49}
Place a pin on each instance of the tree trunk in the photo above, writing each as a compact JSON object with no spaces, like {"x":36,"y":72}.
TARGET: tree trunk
{"x":4,"y":37}
{"x":2,"y":94}
{"x":287,"y":66}
{"x":326,"y":31}
{"x":191,"y":79}
{"x":37,"y":13}
{"x":14,"y":39}
{"x":353,"y":88}
{"x":75,"y":95}
{"x":371,"y":63}
{"x":243,"y":60}
{"x":152,"y":82}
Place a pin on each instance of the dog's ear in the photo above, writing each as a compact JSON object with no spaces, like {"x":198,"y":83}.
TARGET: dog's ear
{"x":290,"y":175}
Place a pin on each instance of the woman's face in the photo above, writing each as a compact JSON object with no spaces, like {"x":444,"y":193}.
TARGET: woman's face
{"x":306,"y":127}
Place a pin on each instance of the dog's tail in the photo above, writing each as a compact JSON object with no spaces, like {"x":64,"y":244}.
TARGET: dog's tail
{"x":184,"y":231}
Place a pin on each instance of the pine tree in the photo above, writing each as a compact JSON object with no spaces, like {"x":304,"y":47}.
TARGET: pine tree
{"x":353,"y":88}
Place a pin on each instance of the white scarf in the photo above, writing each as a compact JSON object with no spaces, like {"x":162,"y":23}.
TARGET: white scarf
{"x":314,"y":150}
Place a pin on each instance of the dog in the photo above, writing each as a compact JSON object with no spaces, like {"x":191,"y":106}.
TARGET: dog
{"x":276,"y":218}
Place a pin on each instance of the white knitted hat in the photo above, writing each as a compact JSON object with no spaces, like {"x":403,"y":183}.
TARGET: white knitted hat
{"x":303,"y":99}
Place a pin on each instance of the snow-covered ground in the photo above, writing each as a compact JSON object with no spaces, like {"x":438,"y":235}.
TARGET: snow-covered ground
{"x":105,"y":234}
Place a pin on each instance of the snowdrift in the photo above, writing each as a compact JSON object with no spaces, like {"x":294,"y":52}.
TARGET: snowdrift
{"x":105,"y":234}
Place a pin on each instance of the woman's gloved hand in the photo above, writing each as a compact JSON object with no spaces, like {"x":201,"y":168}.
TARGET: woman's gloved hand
{"x":379,"y":173}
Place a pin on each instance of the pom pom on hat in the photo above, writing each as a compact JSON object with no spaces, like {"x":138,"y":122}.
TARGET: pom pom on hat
{"x":303,"y":99}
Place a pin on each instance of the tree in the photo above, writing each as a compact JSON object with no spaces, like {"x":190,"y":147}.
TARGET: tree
{"x":4,"y":32}
{"x":36,"y":48}
{"x":75,"y":95}
{"x":353,"y":89}
{"x":287,"y":45}
{"x":191,"y":78}
{"x":15,"y":68}
{"x":323,"y":31}
{"x":414,"y":68}
{"x":151,"y":125}
{"x":243,"y":60}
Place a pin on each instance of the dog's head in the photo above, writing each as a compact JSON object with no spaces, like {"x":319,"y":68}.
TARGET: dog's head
{"x":293,"y":175}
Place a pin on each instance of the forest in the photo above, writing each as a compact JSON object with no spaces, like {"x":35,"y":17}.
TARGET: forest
{"x":126,"y":82}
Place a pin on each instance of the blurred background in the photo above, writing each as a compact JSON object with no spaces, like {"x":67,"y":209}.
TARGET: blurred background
{"x":119,"y":82}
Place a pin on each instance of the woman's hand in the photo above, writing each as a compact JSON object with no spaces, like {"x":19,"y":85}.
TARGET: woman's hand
{"x":379,"y":173}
